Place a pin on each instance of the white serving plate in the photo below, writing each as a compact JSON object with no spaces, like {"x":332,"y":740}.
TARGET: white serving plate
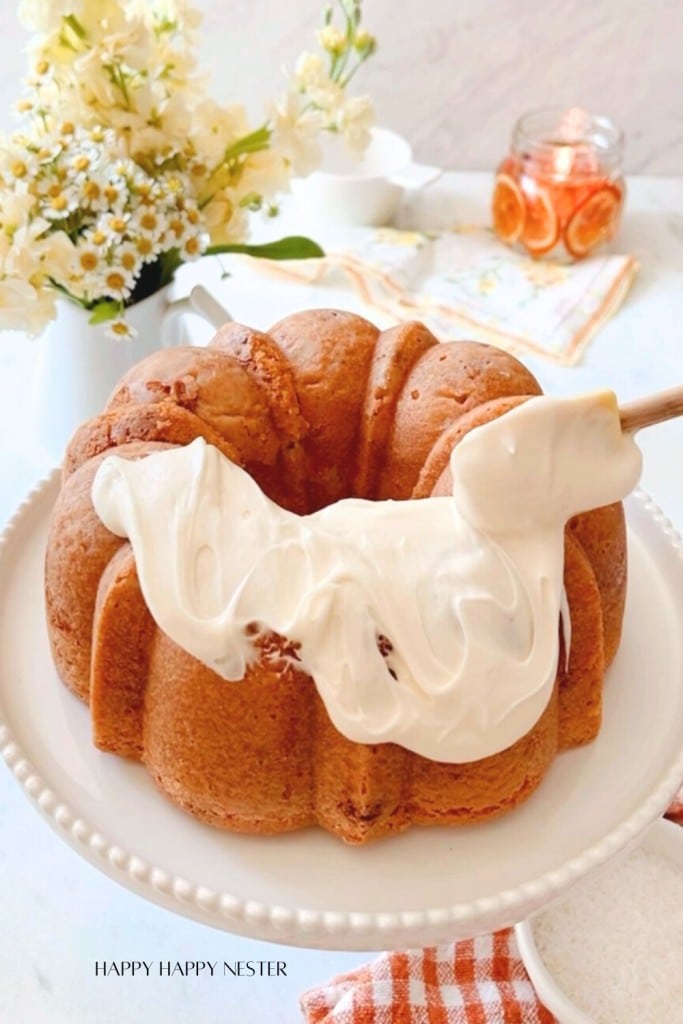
{"x":308,"y":889}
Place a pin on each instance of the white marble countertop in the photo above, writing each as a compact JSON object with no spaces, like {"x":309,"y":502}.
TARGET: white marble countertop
{"x":59,"y":914}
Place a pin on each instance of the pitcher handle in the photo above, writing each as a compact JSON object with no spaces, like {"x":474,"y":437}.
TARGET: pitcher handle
{"x":199,"y":301}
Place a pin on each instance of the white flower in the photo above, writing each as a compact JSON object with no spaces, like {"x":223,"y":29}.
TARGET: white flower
{"x":124,"y":160}
{"x":40,"y":15}
{"x":60,"y":201}
{"x":356,"y":117}
{"x":214,"y":128}
{"x":115,"y":226}
{"x":36,"y":255}
{"x":266,"y":173}
{"x":89,"y":259}
{"x":16,"y":206}
{"x":24,"y":307}
{"x":224,"y":219}
{"x":56,"y":254}
{"x":296,"y":130}
{"x":148,"y":221}
{"x":328,"y":95}
{"x":192,"y":246}
{"x":128,"y":257}
{"x":118,"y":282}
{"x":120,"y":329}
{"x":332,"y":39}
{"x":309,"y":69}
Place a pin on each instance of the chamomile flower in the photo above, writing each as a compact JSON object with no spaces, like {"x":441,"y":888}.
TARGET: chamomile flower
{"x":115,"y":224}
{"x":96,"y":237}
{"x":89,"y":260}
{"x":148,"y":221}
{"x":120,"y":330}
{"x":118,"y":282}
{"x":129,"y":259}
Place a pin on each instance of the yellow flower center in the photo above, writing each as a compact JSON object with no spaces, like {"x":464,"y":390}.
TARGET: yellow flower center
{"x":42,"y":67}
{"x":193,"y":216}
{"x":19,"y":169}
{"x":67,"y":128}
{"x":91,"y":191}
{"x":128,"y":261}
{"x":88,"y":260}
{"x":120,"y":328}
{"x":59,"y":203}
{"x":144,"y":246}
{"x":176,"y":227}
{"x":99,"y":238}
{"x":111,"y":193}
{"x":192,"y":246}
{"x":82,"y":162}
{"x":148,"y":221}
{"x":115,"y":281}
{"x":117,"y":224}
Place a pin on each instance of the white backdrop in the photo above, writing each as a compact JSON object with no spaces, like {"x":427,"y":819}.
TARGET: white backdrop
{"x":453,"y":75}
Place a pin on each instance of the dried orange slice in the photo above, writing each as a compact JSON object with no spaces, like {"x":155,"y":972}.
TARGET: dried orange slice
{"x":594,"y":221}
{"x":541,"y":225}
{"x":507,"y":207}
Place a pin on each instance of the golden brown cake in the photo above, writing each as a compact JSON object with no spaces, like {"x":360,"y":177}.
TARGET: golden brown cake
{"x":322,"y":407}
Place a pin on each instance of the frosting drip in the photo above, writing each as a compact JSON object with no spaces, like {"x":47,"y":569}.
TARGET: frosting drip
{"x":430,"y":623}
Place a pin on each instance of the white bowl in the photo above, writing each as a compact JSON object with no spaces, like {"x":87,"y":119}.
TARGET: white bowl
{"x":361,"y":190}
{"x":664,"y":838}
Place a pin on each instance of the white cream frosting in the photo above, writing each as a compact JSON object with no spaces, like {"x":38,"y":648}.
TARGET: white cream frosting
{"x":467,"y":589}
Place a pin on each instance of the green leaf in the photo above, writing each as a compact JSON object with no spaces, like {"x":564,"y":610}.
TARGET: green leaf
{"x":105,"y":310}
{"x":293,"y":247}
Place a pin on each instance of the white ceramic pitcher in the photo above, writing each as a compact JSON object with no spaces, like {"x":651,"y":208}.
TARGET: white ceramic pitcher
{"x":78,"y":365}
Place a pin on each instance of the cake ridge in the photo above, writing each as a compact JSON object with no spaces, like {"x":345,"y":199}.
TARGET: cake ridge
{"x":396,"y":352}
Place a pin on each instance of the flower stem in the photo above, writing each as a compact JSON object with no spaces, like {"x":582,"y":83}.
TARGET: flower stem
{"x":252,"y":143}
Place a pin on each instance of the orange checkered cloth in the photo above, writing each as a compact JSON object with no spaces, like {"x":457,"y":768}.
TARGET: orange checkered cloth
{"x":474,"y":981}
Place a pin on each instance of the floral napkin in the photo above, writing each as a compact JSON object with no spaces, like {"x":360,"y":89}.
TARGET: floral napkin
{"x":465,"y":283}
{"x":474,"y":981}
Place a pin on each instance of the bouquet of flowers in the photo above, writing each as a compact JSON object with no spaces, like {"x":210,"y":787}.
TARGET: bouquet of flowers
{"x":124,"y":168}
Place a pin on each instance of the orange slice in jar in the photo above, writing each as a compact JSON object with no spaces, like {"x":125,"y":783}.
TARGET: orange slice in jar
{"x":541,"y":226}
{"x":594,"y":221}
{"x":507,"y":207}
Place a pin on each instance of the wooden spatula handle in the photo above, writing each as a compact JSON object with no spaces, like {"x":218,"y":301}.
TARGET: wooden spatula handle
{"x":644,"y":412}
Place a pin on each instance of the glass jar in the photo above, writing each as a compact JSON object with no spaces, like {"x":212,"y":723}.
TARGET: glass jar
{"x":560,"y":189}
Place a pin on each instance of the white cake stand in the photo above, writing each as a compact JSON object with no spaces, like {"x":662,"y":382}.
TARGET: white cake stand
{"x":308,"y":889}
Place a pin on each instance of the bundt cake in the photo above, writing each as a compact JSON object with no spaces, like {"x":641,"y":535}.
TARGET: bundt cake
{"x":322,"y":702}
